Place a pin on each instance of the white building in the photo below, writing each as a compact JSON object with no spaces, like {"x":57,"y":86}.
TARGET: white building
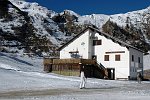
{"x":122,"y":60}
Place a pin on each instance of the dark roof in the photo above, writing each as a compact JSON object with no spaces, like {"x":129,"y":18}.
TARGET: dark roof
{"x":116,"y":40}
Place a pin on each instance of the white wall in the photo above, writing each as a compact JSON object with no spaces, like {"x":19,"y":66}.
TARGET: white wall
{"x":81,"y":44}
{"x":121,"y":67}
{"x":134,"y":65}
{"x":146,"y":60}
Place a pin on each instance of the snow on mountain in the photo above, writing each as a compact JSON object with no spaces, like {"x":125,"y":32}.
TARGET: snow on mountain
{"x":41,"y":19}
{"x":39,"y":14}
{"x":70,"y":12}
{"x":133,"y":17}
{"x":7,"y":26}
{"x":120,"y":19}
{"x":33,"y":8}
{"x":96,"y":19}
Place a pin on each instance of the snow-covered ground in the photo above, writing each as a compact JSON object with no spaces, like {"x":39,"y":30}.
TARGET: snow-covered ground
{"x":22,"y":77}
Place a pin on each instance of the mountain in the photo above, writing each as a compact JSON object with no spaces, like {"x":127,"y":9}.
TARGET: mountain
{"x":31,"y":28}
{"x":135,"y":18}
{"x":28,"y":26}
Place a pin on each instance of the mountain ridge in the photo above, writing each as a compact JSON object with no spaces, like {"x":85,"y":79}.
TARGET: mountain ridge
{"x":58,"y":28}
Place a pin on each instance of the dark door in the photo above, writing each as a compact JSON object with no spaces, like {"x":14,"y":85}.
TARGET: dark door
{"x":111,"y":73}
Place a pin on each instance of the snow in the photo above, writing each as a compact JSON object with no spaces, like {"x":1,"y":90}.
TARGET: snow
{"x":70,"y":12}
{"x":22,"y":78}
{"x":41,"y":20}
{"x":120,"y":19}
{"x":96,"y":19}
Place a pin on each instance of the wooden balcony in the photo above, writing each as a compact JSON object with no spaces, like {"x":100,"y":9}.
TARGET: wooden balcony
{"x":72,"y":67}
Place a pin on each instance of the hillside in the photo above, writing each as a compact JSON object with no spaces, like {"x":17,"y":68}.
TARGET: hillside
{"x":30,"y":28}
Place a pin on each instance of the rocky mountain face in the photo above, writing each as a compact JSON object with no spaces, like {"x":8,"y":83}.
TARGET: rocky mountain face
{"x":28,"y":27}
{"x":31,"y":28}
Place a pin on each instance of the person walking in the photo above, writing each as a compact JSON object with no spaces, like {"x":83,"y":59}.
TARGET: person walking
{"x":82,"y":77}
{"x":139,"y":77}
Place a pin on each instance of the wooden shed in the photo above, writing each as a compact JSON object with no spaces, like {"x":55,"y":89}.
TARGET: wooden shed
{"x":71,"y":67}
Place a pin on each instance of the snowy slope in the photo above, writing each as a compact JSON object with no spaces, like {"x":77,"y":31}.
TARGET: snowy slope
{"x":20,"y":63}
{"x":23,"y":78}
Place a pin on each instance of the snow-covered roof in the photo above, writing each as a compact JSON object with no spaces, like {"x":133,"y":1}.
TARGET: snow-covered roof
{"x":116,"y":40}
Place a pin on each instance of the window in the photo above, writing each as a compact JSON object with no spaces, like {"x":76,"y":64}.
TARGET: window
{"x":97,"y":42}
{"x":132,"y":57}
{"x":139,"y":60}
{"x":117,"y":57}
{"x":106,"y":57}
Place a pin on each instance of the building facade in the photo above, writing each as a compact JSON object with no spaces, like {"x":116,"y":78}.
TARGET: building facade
{"x":122,"y":60}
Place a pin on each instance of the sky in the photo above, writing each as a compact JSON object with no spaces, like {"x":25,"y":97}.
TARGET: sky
{"x":86,"y":7}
